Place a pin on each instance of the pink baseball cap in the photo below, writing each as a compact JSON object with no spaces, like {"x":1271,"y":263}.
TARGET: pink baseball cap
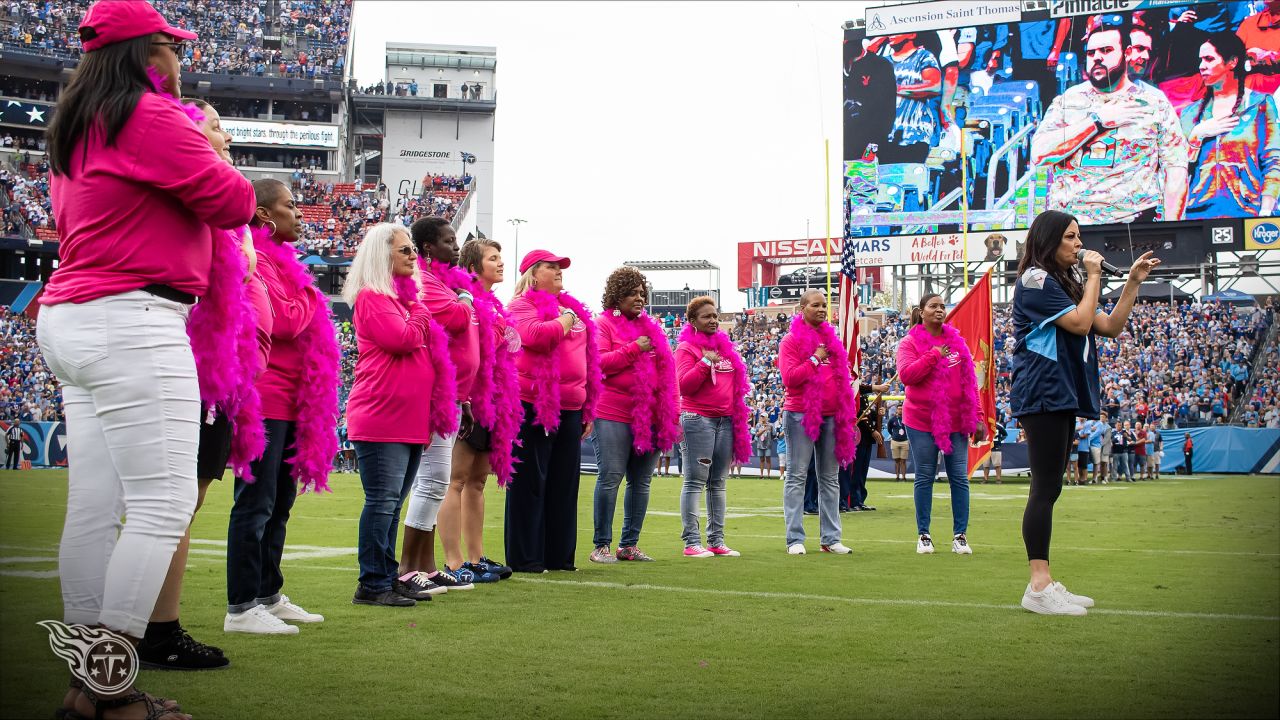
{"x":112,"y":21}
{"x":536,"y":256}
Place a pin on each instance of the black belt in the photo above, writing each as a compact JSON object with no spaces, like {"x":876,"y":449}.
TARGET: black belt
{"x":168,"y":293}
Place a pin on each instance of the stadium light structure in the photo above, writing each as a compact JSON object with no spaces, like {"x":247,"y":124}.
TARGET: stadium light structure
{"x":517,"y":222}
{"x":711,"y":268}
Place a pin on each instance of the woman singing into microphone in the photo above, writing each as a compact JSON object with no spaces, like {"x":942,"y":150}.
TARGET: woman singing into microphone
{"x":1055,"y":377}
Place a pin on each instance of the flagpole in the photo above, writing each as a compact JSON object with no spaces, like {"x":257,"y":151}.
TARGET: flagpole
{"x":826,"y":239}
{"x":964,"y":207}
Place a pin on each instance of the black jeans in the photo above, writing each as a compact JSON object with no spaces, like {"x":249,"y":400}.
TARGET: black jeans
{"x":255,"y":535}
{"x":12,"y":455}
{"x":1049,"y":438}
{"x":857,"y":494}
{"x":811,"y":487}
{"x":542,"y":500}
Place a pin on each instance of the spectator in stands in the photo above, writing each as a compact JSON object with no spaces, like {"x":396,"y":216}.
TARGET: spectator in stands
{"x":495,"y":407}
{"x":300,"y":414}
{"x":1138,"y":56}
{"x":1111,"y":142}
{"x":638,"y":415}
{"x":713,"y":387}
{"x":941,"y":411}
{"x":1234,"y":137}
{"x":388,"y":413}
{"x":558,"y":372}
{"x":820,"y":418}
{"x":113,"y":323}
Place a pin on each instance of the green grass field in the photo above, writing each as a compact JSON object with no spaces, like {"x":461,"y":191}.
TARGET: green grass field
{"x":1186,"y":573}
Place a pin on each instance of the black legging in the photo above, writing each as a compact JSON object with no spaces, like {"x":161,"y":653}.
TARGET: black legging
{"x":1049,"y":437}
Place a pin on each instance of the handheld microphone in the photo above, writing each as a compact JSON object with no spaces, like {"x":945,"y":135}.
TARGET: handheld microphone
{"x":1107,"y":267}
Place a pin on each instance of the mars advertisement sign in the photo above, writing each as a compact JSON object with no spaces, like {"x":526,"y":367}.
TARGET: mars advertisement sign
{"x":772,"y":255}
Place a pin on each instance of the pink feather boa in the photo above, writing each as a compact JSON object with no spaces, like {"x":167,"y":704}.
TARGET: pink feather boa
{"x":952,"y":391}
{"x":719,"y":342}
{"x":222,"y":329}
{"x":444,"y":393}
{"x":223,"y":332}
{"x":546,"y":369}
{"x":846,"y":402}
{"x":495,"y":398}
{"x":655,"y":416}
{"x":316,"y":435}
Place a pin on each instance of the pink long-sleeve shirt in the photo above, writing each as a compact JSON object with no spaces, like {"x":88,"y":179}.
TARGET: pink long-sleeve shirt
{"x":800,"y":377}
{"x":617,"y":363}
{"x":543,"y":339}
{"x":291,"y":313}
{"x":139,"y":212}
{"x":707,"y":390}
{"x":458,"y":320}
{"x":387,"y":402}
{"x":917,"y":364}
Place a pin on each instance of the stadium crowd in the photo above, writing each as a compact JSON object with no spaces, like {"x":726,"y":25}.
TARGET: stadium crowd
{"x":26,"y":190}
{"x":314,"y":34}
{"x":28,"y":391}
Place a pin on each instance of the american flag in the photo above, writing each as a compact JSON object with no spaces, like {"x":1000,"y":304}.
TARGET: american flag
{"x":849,"y":304}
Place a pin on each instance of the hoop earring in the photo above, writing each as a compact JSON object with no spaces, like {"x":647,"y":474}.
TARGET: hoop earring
{"x":272,"y":223}
{"x":534,"y":283}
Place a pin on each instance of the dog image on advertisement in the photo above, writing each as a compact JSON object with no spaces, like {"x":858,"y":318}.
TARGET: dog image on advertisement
{"x":995,"y":243}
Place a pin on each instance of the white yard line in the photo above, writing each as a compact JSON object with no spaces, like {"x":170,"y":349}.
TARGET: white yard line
{"x":891,"y":602}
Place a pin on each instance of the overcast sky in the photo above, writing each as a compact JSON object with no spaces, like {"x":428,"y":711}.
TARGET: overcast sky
{"x":647,"y":130}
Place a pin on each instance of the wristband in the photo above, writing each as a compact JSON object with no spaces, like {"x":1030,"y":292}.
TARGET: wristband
{"x":814,"y":359}
{"x":708,"y":362}
{"x":466,"y":296}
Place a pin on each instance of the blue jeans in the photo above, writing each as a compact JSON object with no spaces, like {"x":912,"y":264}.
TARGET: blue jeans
{"x":1120,"y":462}
{"x":615,"y":457}
{"x":800,"y":451}
{"x":924,"y":454}
{"x":387,"y":472}
{"x":708,"y":443}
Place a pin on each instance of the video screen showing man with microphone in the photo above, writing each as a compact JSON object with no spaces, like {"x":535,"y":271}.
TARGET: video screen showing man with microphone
{"x":1162,"y":113}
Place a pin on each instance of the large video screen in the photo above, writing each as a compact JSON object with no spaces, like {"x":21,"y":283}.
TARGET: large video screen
{"x":1156,"y":111}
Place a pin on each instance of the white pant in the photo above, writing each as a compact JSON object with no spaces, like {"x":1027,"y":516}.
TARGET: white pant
{"x":431,"y":484}
{"x":133,"y":422}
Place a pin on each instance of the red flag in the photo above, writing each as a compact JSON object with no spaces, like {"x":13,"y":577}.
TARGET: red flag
{"x":972,"y":317}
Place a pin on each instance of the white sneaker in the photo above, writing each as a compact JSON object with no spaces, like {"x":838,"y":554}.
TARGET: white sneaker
{"x":1049,"y":602}
{"x":924,"y":546}
{"x":286,"y":610}
{"x":960,"y":545}
{"x":797,"y":549}
{"x":258,"y":621}
{"x":837,"y":548}
{"x":1081,"y":600}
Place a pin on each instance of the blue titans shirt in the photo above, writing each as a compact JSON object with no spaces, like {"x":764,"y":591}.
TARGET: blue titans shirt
{"x":1053,"y":370}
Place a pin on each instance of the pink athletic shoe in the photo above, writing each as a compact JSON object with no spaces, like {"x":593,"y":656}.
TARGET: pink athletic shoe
{"x":723,"y":551}
{"x":697,"y":551}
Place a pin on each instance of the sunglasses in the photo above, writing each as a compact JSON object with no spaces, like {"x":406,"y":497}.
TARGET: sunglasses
{"x":407,"y":251}
{"x":177,"y":47}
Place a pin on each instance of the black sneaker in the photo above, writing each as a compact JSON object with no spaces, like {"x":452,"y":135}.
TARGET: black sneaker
{"x":501,"y":570}
{"x":449,"y":581}
{"x":864,"y":508}
{"x":179,"y":651}
{"x":386,"y":598}
{"x":416,"y":586}
{"x":475,"y":573}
